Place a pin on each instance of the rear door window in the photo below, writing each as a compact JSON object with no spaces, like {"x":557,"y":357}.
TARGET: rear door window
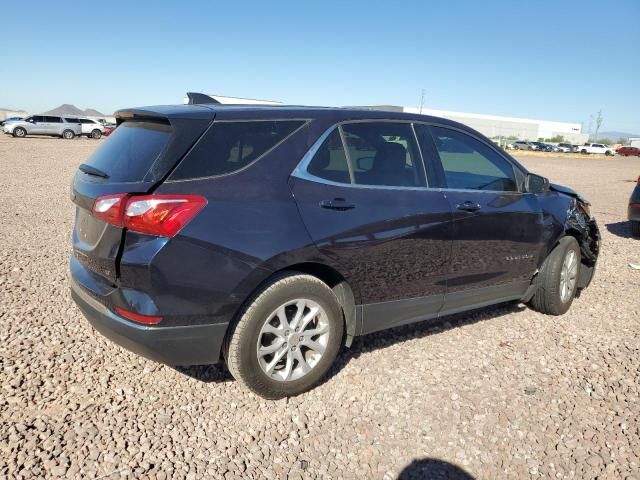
{"x":330,"y":161}
{"x":53,"y":119}
{"x":384,"y":154}
{"x":131,"y":150}
{"x":470,"y":164}
{"x":230,"y":146}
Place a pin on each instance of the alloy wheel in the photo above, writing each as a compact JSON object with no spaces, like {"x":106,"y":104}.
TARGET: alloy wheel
{"x":293,"y":339}
{"x":568,"y":276}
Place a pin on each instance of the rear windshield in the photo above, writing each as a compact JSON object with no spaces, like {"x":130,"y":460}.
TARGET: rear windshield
{"x":130,"y":151}
{"x":229,"y":146}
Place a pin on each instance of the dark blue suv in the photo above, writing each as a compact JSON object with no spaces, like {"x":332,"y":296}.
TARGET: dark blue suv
{"x":272,"y":236}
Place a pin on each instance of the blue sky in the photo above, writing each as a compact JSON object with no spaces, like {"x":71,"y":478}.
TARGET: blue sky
{"x":554,"y":60}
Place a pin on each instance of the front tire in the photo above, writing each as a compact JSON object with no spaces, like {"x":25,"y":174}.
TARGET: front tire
{"x":19,"y":132}
{"x":287,"y":336}
{"x":68,"y":135}
{"x":558,"y":279}
{"x":635,"y":228}
{"x":96,"y":134}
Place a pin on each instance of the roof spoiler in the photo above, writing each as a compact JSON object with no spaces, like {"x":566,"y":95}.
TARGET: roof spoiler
{"x":200,"y":99}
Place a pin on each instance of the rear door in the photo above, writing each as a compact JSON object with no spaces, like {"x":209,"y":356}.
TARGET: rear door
{"x":52,"y":125}
{"x":134,"y":159}
{"x":497,"y":229}
{"x":363,"y":196}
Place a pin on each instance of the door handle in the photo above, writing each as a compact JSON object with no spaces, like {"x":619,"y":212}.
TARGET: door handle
{"x":337,"y":204}
{"x":469,"y":206}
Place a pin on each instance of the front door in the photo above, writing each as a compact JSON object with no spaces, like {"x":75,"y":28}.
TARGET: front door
{"x":497,"y":228}
{"x":367,"y":207}
{"x":37,"y":125}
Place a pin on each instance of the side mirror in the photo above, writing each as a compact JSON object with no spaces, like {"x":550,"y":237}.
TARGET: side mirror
{"x":536,"y":183}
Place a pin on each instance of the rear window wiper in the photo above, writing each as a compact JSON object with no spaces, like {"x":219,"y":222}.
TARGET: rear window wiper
{"x":89,"y":170}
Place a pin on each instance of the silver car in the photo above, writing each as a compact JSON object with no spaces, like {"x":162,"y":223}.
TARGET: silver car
{"x":49,"y":125}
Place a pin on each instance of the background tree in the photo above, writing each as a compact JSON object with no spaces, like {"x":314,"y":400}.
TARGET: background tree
{"x":599,"y":119}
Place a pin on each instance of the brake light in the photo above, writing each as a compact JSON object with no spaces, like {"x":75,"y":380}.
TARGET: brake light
{"x":136,"y":317}
{"x":162,"y":215}
{"x":110,"y":208}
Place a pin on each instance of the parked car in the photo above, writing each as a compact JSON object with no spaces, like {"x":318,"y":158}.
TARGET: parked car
{"x":565,"y":148}
{"x":628,"y":151}
{"x":10,"y":119}
{"x":596,"y":148}
{"x":108,"y":129}
{"x":633,"y":212}
{"x":271,"y":237}
{"x":48,"y":125}
{"x":90,"y":128}
{"x":543,"y":147}
{"x":523,"y":145}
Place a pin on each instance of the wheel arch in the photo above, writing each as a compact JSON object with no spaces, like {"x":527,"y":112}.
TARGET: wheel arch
{"x":327,"y":274}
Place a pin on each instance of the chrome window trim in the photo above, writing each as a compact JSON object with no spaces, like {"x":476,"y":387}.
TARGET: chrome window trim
{"x":301,"y":169}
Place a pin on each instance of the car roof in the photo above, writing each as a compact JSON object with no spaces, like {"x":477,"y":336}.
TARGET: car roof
{"x":226,"y":111}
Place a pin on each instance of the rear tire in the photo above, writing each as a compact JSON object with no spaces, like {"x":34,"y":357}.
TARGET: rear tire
{"x":295,"y":362}
{"x":558,"y":279}
{"x":19,"y":132}
{"x":96,"y":134}
{"x":635,"y":228}
{"x":68,"y":134}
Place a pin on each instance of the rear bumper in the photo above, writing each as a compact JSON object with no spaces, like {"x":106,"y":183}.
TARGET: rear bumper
{"x":173,"y":345}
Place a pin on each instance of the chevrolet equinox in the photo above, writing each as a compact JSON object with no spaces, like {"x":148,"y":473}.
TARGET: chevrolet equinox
{"x":268,"y":237}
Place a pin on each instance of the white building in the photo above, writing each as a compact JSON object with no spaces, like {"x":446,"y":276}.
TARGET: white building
{"x":494,"y":126}
{"x":634,"y":142}
{"x":238,"y":100}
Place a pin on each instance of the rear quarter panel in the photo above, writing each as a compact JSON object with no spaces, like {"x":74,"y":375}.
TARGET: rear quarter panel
{"x":250,"y":228}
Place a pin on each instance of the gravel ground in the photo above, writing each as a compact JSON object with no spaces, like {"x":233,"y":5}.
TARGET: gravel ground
{"x":502,"y":392}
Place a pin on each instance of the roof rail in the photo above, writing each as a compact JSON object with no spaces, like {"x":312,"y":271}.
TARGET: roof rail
{"x":200,"y":99}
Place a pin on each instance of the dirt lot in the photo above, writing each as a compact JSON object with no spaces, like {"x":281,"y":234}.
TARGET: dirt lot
{"x":503,"y":392}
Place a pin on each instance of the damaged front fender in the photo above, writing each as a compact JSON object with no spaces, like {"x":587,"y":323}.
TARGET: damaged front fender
{"x":580,"y":225}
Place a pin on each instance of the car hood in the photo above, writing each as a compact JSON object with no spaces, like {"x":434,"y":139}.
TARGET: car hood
{"x":568,"y":191}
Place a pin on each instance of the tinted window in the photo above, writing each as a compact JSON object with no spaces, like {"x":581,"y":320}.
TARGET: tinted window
{"x":470,"y":164}
{"x":84,"y":120}
{"x":131,"y":150}
{"x":53,"y":119}
{"x":384,"y":154}
{"x":38,"y":118}
{"x":72,"y":120}
{"x":230,"y":146}
{"x":330,"y":161}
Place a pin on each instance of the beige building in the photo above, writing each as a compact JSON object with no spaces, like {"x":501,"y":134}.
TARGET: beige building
{"x":7,"y":113}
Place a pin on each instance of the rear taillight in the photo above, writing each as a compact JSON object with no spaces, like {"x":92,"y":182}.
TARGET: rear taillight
{"x":162,"y":215}
{"x":110,"y":208}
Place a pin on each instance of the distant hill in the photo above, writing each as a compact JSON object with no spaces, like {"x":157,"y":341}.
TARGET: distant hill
{"x":67,"y":109}
{"x":613,"y":135}
{"x":93,"y":113}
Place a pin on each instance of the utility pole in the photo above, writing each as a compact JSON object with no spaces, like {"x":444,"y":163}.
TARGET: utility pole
{"x":590,"y":130}
{"x":421,"y":101}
